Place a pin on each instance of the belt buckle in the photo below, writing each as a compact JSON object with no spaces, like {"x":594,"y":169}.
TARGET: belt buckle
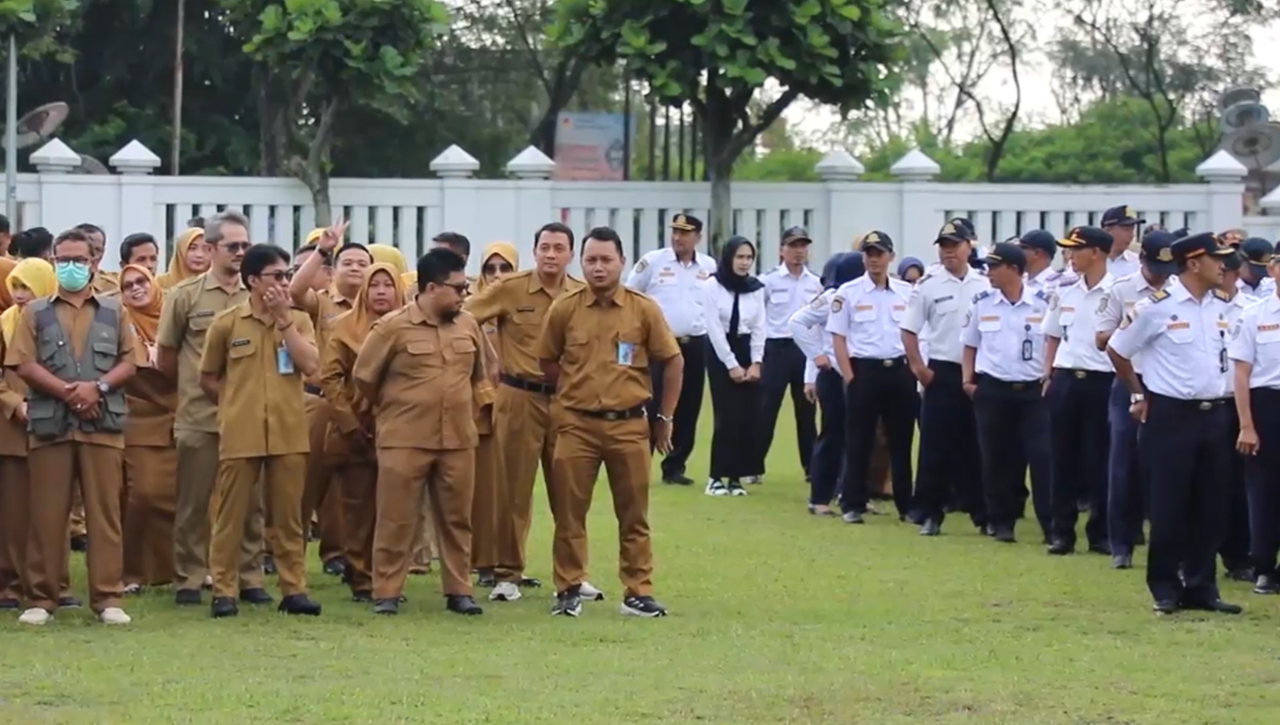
{"x":1019,"y":386}
{"x":683,"y":340}
{"x":611,"y":415}
{"x":1080,"y":374}
{"x":1206,"y":405}
{"x":887,"y":363}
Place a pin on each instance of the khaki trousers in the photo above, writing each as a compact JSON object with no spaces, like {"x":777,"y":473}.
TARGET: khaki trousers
{"x":13,"y":525}
{"x":526,"y":437}
{"x":243,"y":483}
{"x":404,"y":475}
{"x":358,"y":478}
{"x":484,"y":512}
{"x":582,"y":444}
{"x":151,"y":480}
{"x":100,"y":470}
{"x":320,"y":481}
{"x":197,"y":474}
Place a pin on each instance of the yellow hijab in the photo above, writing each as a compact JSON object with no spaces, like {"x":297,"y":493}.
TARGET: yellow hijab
{"x":146,"y":319}
{"x":36,"y":275}
{"x":352,"y":326}
{"x":387,"y":254}
{"x":6,"y":268}
{"x":177,"y":270}
{"x":506,"y":250}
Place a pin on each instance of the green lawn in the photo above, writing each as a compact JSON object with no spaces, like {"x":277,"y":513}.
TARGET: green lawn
{"x":777,"y":617}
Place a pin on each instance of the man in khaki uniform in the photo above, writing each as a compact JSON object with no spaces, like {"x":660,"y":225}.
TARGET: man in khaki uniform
{"x":75,"y":351}
{"x":189,"y":311}
{"x":255,"y":357}
{"x":598,"y":344}
{"x":522,"y":413}
{"x":423,"y":368}
{"x":324,"y":303}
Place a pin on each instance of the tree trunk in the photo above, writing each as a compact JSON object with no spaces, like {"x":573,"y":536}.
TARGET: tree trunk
{"x":175,"y":151}
{"x":717,"y":131}
{"x":721,"y":222}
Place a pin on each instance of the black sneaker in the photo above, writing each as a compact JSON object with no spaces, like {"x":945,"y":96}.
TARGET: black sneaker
{"x":643,"y":607}
{"x":10,"y":604}
{"x":735,"y":488}
{"x":187,"y":597}
{"x":931,"y":527}
{"x":677,"y":479}
{"x":362,"y":596}
{"x":530,"y":583}
{"x":268,"y":565}
{"x":336,"y":566}
{"x":69,"y":603}
{"x":716,"y":487}
{"x":851,"y":517}
{"x":387,"y":606}
{"x":568,"y":604}
{"x":1267,"y":584}
{"x":486,"y":579}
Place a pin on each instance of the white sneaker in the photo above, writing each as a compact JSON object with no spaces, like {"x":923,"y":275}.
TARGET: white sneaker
{"x":504,"y":592}
{"x":114,"y":615}
{"x":754,"y":480}
{"x":716,"y":487}
{"x":590,"y":593}
{"x":35,"y":616}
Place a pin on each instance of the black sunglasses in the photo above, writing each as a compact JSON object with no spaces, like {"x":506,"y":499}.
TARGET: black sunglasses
{"x":499,"y":268}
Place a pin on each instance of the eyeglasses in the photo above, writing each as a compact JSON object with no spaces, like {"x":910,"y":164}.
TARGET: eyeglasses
{"x":140,"y":283}
{"x":72,"y":260}
{"x":460,"y":287}
{"x":234,"y":247}
{"x":499,"y":268}
{"x":283,"y":275}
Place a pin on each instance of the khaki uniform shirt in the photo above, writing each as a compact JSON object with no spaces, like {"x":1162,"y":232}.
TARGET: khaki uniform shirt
{"x":323,"y":308}
{"x":76,"y":321}
{"x":13,"y":393}
{"x":260,"y":409}
{"x":604,"y":348}
{"x":189,"y":310}
{"x":518,"y":304}
{"x":423,"y":377}
{"x":105,"y":282}
{"x":153,"y":401}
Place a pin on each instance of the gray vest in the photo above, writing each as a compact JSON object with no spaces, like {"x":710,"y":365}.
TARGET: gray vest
{"x":49,"y":417}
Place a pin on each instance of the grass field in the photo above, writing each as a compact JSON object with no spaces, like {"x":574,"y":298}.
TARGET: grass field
{"x":777,"y":617}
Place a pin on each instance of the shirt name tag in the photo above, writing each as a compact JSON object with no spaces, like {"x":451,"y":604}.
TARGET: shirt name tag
{"x":989,"y":318}
{"x":1269,"y":327}
{"x":1179,"y":326}
{"x":863,"y":308}
{"x":240,"y":342}
{"x":203,"y":313}
{"x":526,"y":308}
{"x":948,"y":298}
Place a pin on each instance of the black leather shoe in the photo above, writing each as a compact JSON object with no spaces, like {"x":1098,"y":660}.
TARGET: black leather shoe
{"x":1004,"y":534}
{"x":1062,"y":547}
{"x":1122,"y":561}
{"x":362,"y":596}
{"x":1100,"y":547}
{"x":931,"y":527}
{"x":1165,"y":606}
{"x":9,"y":604}
{"x":69,"y":603}
{"x":300,"y":604}
{"x":387,"y":606}
{"x":223,"y":607}
{"x":1216,"y":605}
{"x":1242,"y":574}
{"x":336,"y":566}
{"x":256,"y":596}
{"x":678,"y":479}
{"x":462,"y":604}
{"x":268,"y":564}
{"x":187,"y":597}
{"x":80,"y":543}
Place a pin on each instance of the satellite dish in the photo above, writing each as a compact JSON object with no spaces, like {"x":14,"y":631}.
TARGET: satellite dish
{"x":1242,"y":107}
{"x":1256,"y":146}
{"x":39,"y":125}
{"x":90,"y":165}
{"x":1232,"y":96}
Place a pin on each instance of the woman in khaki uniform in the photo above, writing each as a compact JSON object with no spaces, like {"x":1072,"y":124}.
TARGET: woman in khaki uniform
{"x":150,"y":457}
{"x":190,"y":259}
{"x":351,"y":429}
{"x":26,"y":281}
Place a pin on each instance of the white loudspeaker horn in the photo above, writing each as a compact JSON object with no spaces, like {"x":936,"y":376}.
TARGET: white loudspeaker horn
{"x":1256,"y":146}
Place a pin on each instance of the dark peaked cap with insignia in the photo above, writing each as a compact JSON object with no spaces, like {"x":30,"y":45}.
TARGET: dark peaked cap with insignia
{"x":1121,"y":216}
{"x":1086,"y":237}
{"x":1199,"y":245}
{"x":877,"y":240}
{"x":686,"y":223}
{"x":953,"y":231}
{"x":1157,"y":253}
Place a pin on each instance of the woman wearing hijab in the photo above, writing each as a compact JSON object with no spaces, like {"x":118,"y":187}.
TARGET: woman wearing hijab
{"x":28,"y":280}
{"x":350,"y":438}
{"x":734,"y":301}
{"x":150,"y":458}
{"x":387,"y":254}
{"x":910,"y":270}
{"x":6,"y":268}
{"x":190,"y":258}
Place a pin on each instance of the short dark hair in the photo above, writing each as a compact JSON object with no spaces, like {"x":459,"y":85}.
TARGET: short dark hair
{"x":348,"y":247}
{"x":88,"y":228}
{"x":33,"y":243}
{"x":455,"y":241}
{"x":195,"y":222}
{"x":132,"y":242}
{"x":258,"y":258}
{"x":74,"y":234}
{"x":4,"y":224}
{"x":554,"y":228}
{"x":435,"y":266}
{"x":604,"y":234}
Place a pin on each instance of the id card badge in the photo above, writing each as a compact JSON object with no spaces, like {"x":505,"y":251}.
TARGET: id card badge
{"x":284,"y":363}
{"x":1222,"y":360}
{"x":1027,"y":350}
{"x":626,"y":353}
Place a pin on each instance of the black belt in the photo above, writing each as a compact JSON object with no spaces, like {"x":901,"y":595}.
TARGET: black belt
{"x":315,"y":390}
{"x":891,"y":362}
{"x":1080,"y":374}
{"x":528,"y":385}
{"x":1017,"y":385}
{"x":628,"y":414}
{"x":689,"y":338}
{"x":1189,"y":405}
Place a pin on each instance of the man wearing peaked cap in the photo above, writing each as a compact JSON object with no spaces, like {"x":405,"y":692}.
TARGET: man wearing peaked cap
{"x":877,"y":240}
{"x":1181,"y":333}
{"x":1122,"y":223}
{"x":686,"y":223}
{"x":1235,"y":543}
{"x":1039,"y":248}
{"x":1254,"y":278}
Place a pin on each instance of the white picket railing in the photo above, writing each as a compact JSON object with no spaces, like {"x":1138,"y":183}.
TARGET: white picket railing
{"x":408,"y":212}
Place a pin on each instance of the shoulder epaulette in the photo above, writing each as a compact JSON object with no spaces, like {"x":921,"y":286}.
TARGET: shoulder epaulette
{"x":926,"y":276}
{"x":1042,"y":295}
{"x":1220,"y":295}
{"x":1161,"y":295}
{"x":982,"y":295}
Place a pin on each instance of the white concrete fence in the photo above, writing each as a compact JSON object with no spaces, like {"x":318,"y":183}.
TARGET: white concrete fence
{"x":408,"y":212}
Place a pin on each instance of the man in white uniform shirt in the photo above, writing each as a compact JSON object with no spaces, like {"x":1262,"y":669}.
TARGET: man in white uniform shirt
{"x":1122,"y":224}
{"x":1078,"y":390}
{"x":949,"y":467}
{"x":1184,"y":446}
{"x":673,"y":276}
{"x":1235,"y":543}
{"x":1125,"y":489}
{"x":1253,"y":278}
{"x":1040,"y":247}
{"x":787,"y":288}
{"x":865,"y":315}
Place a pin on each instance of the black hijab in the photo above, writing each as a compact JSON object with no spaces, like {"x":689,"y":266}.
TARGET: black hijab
{"x":736,"y":283}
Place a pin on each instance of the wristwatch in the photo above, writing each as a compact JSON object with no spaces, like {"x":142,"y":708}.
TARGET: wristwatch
{"x":103,"y":387}
{"x":1136,"y":398}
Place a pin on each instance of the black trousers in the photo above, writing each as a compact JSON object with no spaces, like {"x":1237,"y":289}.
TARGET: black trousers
{"x":1013,"y":433}
{"x":950,"y":463}
{"x":828,"y":452}
{"x":684,"y":427}
{"x":881,"y":390}
{"x":1262,"y":476}
{"x":1080,"y":441}
{"x":1126,"y":486}
{"x":1184,"y":450}
{"x":735,"y":441}
{"x":784,"y":366}
{"x":1236,"y":539}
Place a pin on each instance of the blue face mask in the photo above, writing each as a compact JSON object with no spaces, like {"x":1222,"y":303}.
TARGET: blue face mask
{"x":73,"y":276}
